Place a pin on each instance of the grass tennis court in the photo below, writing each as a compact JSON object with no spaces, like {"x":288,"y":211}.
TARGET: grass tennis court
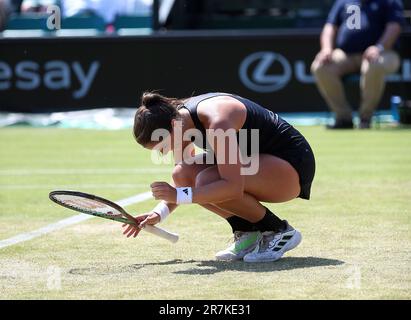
{"x":356,"y":229}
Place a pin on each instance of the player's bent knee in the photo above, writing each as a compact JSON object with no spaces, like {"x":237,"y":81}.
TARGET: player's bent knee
{"x":182,"y":175}
{"x":206,"y":176}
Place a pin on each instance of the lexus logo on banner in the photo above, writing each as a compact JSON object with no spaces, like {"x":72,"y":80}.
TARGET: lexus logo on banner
{"x":255,"y":71}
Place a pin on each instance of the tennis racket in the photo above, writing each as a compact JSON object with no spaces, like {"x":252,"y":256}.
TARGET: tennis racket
{"x":103,"y":208}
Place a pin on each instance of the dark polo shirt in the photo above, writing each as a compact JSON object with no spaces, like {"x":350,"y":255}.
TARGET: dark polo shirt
{"x":374,"y":16}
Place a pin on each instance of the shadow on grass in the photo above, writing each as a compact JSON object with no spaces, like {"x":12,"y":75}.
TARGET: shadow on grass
{"x":288,"y":263}
{"x":112,"y":269}
{"x":207,"y":267}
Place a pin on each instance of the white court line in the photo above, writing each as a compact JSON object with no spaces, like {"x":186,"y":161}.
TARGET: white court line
{"x":67,"y":222}
{"x":73,"y":186}
{"x":30,"y":172}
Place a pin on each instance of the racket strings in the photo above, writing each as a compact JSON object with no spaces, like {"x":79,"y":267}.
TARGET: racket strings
{"x":103,"y":208}
{"x":88,"y":205}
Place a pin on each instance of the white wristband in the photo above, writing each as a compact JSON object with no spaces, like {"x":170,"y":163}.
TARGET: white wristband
{"x":184,"y":195}
{"x":162,"y":210}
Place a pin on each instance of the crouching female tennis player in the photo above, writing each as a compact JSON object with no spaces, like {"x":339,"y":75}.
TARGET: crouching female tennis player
{"x":284,"y":160}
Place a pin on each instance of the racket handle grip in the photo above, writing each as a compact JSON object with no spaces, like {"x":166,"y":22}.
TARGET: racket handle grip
{"x":172,"y":237}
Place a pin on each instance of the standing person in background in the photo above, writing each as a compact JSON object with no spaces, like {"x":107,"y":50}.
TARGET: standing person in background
{"x":3,"y":14}
{"x":8,"y":7}
{"x":107,"y":9}
{"x":366,"y":44}
{"x":36,"y":5}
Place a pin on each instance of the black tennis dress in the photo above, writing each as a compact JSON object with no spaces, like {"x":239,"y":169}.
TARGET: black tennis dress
{"x":276,"y":137}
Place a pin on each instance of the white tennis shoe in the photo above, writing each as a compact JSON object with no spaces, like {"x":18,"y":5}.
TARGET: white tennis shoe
{"x":273,"y":245}
{"x":244,"y":242}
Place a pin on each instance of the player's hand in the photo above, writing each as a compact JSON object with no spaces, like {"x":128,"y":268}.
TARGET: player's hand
{"x":372,"y":54}
{"x":324,"y":56}
{"x":133,"y":230}
{"x":164,"y":191}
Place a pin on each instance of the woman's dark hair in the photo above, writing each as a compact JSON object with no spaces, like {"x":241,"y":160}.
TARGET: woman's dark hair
{"x":155,"y":112}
